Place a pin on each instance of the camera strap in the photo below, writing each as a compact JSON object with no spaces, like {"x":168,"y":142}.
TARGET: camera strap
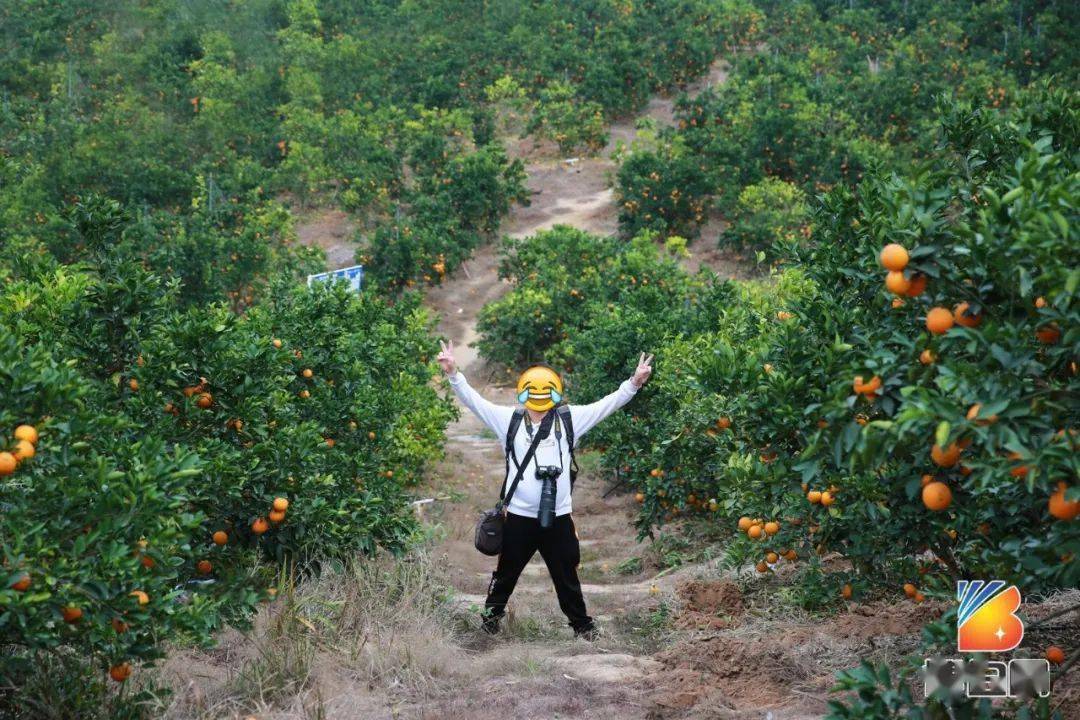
{"x":542,"y":432}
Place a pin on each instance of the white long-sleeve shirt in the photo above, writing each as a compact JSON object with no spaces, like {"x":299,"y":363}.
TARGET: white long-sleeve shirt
{"x":526,"y":500}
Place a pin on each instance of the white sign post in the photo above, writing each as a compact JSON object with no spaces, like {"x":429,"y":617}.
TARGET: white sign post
{"x":354,"y":275}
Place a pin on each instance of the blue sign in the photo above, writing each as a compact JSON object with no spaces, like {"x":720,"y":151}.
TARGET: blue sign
{"x":353,"y":275}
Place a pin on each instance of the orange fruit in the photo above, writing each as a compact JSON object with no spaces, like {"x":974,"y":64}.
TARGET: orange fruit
{"x":936,"y":496}
{"x":963,"y":317}
{"x":896,"y":283}
{"x":767,"y":367}
{"x":71,"y":614}
{"x":259,"y":526}
{"x":1061,"y":508}
{"x":917,"y":286}
{"x":939,"y":320}
{"x":276,"y":342}
{"x":845,"y":592}
{"x":866,"y":388}
{"x":723,"y":423}
{"x":371,"y":435}
{"x":133,"y":384}
{"x":276,"y":517}
{"x":897,"y":303}
{"x":220,"y":537}
{"x":926,"y":357}
{"x":894,"y":257}
{"x":772,"y":527}
{"x":205,"y":400}
{"x":8,"y":463}
{"x":1055,"y":654}
{"x":205,"y":567}
{"x":281,"y":504}
{"x":947,"y":457}
{"x":814,"y":496}
{"x":120,"y":672}
{"x":771,"y":558}
{"x":22,"y":584}
{"x":307,"y":373}
{"x":745,"y":523}
{"x":304,"y":394}
{"x":28,"y":433}
{"x":762,"y":567}
{"x":1040,"y":302}
{"x":119,"y":625}
{"x":791,"y":555}
{"x":139,"y":595}
{"x":755,"y":532}
{"x":23,"y":450}
{"x":1048,"y":334}
{"x":919,"y":597}
{"x":330,"y":442}
{"x":655,"y":472}
{"x":147,"y":561}
{"x":910,"y":590}
{"x":640,"y":497}
{"x":827,"y":499}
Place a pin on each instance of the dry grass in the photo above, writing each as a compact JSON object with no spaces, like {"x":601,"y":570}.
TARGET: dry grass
{"x":346,"y":644}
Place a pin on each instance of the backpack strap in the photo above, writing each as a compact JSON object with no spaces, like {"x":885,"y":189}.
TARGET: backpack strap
{"x":568,"y":423}
{"x":541,"y":432}
{"x":511,"y":433}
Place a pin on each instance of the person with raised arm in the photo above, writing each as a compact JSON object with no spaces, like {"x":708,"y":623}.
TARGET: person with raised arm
{"x":538,"y":506}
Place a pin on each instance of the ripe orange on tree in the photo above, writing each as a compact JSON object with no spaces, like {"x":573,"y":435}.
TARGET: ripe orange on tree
{"x":919,"y":597}
{"x":140,"y":596}
{"x":1055,"y":654}
{"x":762,"y":566}
{"x":23,"y":450}
{"x":936,"y":496}
{"x":276,"y":342}
{"x":926,"y":357}
{"x":963,"y":315}
{"x":939,"y":320}
{"x":120,"y":672}
{"x":276,"y":516}
{"x":1061,"y":508}
{"x":1040,"y":302}
{"x":307,"y":372}
{"x":205,"y":567}
{"x":371,"y":435}
{"x":896,"y":283}
{"x":71,"y":614}
{"x":845,"y":592}
{"x":723,"y":423}
{"x":22,"y":584}
{"x":772,"y":527}
{"x":755,"y":532}
{"x":259,"y":526}
{"x":894,"y":257}
{"x":745,"y":523}
{"x":8,"y":463}
{"x":827,"y":498}
{"x":910,"y":590}
{"x":1048,"y":334}
{"x":771,"y":558}
{"x":814,"y":496}
{"x":917,"y":286}
{"x":947,"y":457}
{"x":119,"y":625}
{"x":28,"y":433}
{"x":220,"y":537}
{"x":639,"y":497}
{"x":205,"y":400}
{"x":280,"y":504}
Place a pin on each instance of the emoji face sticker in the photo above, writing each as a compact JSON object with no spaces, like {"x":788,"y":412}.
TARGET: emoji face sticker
{"x":539,"y":388}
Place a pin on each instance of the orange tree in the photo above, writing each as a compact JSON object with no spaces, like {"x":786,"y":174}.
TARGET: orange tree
{"x":158,"y":459}
{"x":822,"y":413}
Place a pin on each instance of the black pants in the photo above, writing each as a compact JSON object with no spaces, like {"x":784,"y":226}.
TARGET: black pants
{"x":558,"y":545}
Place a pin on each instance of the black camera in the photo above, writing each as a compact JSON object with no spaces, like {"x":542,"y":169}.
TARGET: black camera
{"x":547,"y":474}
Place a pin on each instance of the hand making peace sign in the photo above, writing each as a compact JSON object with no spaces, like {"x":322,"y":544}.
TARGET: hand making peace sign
{"x":446,"y":358}
{"x":643,"y":371}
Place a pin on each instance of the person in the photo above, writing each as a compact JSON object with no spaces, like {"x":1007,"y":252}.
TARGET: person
{"x":540,"y":391}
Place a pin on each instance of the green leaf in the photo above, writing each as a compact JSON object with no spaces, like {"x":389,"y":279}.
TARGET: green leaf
{"x":941,"y":436}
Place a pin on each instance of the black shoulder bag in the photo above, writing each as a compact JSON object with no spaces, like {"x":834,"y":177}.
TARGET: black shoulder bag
{"x":489,"y":530}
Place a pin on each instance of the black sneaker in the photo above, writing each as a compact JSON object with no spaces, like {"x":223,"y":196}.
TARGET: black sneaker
{"x":490,"y":624}
{"x":591,"y":633}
